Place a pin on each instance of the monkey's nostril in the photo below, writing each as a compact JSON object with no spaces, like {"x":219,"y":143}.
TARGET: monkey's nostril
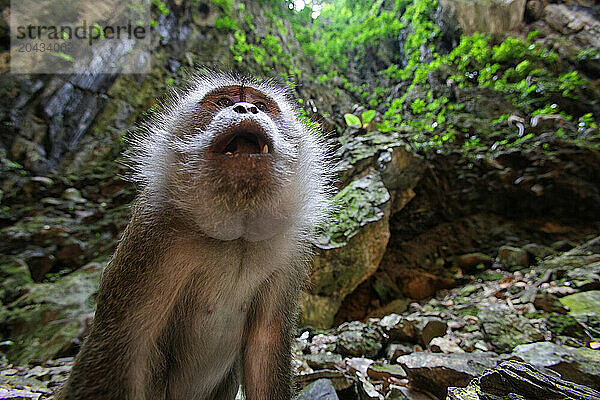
{"x":254,"y":110}
{"x":240,"y":109}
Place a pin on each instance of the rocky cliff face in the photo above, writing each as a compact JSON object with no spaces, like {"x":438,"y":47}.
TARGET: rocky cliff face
{"x":413,"y":220}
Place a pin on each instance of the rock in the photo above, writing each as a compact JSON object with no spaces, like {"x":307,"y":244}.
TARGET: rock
{"x":39,"y":263}
{"x":538,"y":250}
{"x":584,"y":303}
{"x":585,"y":278}
{"x":18,"y":394}
{"x":592,"y":246}
{"x":71,"y":253}
{"x":350,"y":251}
{"x":581,"y":366}
{"x":569,"y":21}
{"x":358,"y":364}
{"x":385,"y":371}
{"x":489,"y":16}
{"x":321,"y":389}
{"x":566,"y":325}
{"x":469,"y":261}
{"x":436,"y":372}
{"x":326,"y":360}
{"x":396,"y":350}
{"x":46,"y":321}
{"x":415,"y":329}
{"x":444,"y":345}
{"x":517,"y":380}
{"x":366,"y":390}
{"x":357,"y":339}
{"x":399,"y":329}
{"x":37,"y":184}
{"x":394,"y":306}
{"x":74,"y":195}
{"x":322,"y":343}
{"x":505,"y":329}
{"x":535,"y":9}
{"x":428,"y":328}
{"x":15,"y":276}
{"x":337,"y":378}
{"x":512,"y":257}
{"x":548,"y":302}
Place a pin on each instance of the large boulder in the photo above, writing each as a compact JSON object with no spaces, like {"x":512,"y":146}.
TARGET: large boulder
{"x":377,"y":174}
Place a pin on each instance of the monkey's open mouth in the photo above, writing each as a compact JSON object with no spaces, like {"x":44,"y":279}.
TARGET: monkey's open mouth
{"x":248,"y":137}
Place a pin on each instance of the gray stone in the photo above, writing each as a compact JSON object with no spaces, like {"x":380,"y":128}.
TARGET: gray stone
{"x":73,"y":195}
{"x":396,"y":350}
{"x":326,"y":360}
{"x":538,"y":251}
{"x":435,"y":372}
{"x":579,"y":365}
{"x":47,"y":320}
{"x":505,"y":329}
{"x":512,"y":257}
{"x":356,"y":339}
{"x":321,"y":389}
{"x":584,"y":303}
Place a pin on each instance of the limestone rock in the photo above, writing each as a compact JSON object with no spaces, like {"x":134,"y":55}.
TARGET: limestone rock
{"x":44,"y":322}
{"x":436,"y":372}
{"x":577,"y":365}
{"x":505,"y":329}
{"x":321,"y":389}
{"x":351,"y":252}
{"x":489,"y":16}
{"x":356,"y":339}
{"x":512,"y":257}
{"x":584,"y":303}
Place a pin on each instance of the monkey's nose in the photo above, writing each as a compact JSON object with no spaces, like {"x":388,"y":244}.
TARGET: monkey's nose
{"x":243,"y":108}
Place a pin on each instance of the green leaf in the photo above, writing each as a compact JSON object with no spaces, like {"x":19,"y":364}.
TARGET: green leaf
{"x":367,"y":116}
{"x":62,"y":55}
{"x":352,"y":120}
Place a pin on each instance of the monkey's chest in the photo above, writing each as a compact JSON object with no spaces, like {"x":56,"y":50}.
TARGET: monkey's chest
{"x":206,"y":338}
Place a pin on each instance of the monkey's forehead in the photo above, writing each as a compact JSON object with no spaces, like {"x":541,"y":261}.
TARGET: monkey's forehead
{"x":204,"y":84}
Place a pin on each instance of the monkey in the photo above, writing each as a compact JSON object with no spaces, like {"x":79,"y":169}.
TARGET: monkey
{"x":202,"y":293}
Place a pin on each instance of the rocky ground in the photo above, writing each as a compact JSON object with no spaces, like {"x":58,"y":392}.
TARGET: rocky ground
{"x":546,"y":316}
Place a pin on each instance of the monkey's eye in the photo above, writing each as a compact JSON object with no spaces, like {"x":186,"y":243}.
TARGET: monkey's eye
{"x":224,"y":102}
{"x":261,"y":106}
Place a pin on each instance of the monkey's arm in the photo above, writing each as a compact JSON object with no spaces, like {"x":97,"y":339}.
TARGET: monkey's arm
{"x":112,"y":362}
{"x":267,"y":368}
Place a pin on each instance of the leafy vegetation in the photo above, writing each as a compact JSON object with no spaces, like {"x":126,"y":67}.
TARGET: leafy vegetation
{"x":347,"y":33}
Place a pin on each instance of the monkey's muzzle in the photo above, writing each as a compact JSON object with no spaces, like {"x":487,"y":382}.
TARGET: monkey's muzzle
{"x":248,"y":138}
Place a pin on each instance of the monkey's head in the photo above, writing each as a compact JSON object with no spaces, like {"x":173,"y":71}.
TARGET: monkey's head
{"x":231,"y":154}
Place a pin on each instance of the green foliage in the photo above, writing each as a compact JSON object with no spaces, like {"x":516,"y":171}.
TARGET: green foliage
{"x":347,"y":31}
{"x":225,"y":23}
{"x":569,"y":82}
{"x":259,"y":54}
{"x":225,"y":5}
{"x":345,"y":27}
{"x":352,"y":120}
{"x":367,"y":116}
{"x":586,"y":122}
{"x":162,"y":7}
{"x":588,"y":54}
{"x":240,"y":47}
{"x":418,"y":106}
{"x":271,"y":45}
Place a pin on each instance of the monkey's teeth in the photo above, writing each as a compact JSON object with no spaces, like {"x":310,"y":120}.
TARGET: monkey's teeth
{"x":265,"y":149}
{"x":229,"y":153}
